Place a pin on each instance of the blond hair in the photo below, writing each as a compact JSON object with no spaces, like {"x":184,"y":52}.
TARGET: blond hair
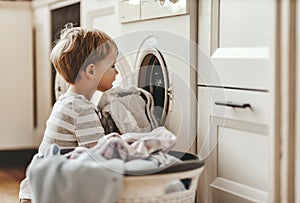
{"x":77,"y":48}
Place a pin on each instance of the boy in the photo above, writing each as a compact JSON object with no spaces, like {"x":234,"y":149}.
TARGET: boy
{"x":86,"y":60}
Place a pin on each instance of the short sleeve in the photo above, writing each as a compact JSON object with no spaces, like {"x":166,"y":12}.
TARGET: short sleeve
{"x":88,"y":127}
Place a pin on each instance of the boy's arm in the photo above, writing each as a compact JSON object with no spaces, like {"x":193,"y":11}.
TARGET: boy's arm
{"x":88,"y":128}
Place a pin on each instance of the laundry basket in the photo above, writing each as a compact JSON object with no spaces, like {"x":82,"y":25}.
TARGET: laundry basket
{"x":151,"y":188}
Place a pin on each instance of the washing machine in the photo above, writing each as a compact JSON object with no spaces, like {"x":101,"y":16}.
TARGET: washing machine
{"x":161,"y":51}
{"x":157,"y":52}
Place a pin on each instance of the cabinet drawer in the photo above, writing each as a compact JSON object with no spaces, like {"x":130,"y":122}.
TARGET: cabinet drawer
{"x":234,"y":140}
{"x":241,"y":105}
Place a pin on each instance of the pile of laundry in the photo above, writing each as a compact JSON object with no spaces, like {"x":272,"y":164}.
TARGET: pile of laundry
{"x":134,"y":144}
{"x":95,"y":174}
{"x":139,"y":151}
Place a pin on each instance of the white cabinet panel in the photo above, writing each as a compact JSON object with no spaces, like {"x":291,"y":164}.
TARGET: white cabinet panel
{"x":241,"y":36}
{"x":245,"y":23}
{"x":239,"y":160}
{"x":243,"y":157}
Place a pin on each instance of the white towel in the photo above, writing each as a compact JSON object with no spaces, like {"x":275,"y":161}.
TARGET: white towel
{"x":88,"y":178}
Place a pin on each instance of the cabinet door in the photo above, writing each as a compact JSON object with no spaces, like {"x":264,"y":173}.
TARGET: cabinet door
{"x":237,"y":39}
{"x":16,"y":104}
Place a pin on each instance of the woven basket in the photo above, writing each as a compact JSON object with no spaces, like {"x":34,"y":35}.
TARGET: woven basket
{"x":151,"y":188}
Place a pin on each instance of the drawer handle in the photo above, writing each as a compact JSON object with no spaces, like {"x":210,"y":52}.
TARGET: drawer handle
{"x":233,"y":105}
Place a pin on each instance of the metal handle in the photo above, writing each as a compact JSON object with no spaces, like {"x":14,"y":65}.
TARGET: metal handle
{"x":170,"y":92}
{"x":233,"y":105}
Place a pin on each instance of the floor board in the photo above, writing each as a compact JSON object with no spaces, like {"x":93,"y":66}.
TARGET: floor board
{"x":10,"y":179}
{"x":13,"y":165}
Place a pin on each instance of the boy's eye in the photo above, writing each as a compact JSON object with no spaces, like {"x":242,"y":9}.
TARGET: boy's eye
{"x":113,"y":66}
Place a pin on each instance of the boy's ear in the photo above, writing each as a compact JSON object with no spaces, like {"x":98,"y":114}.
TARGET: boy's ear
{"x":90,"y":71}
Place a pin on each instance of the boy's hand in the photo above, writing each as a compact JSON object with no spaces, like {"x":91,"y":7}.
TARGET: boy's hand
{"x":92,"y":144}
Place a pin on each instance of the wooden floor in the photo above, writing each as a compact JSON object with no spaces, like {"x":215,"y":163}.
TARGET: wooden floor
{"x":13,"y":165}
{"x":10,"y":179}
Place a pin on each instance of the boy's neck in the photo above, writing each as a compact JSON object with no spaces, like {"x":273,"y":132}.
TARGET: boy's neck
{"x":82,"y":91}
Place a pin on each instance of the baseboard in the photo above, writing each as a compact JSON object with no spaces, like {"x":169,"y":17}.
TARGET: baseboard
{"x":16,"y":158}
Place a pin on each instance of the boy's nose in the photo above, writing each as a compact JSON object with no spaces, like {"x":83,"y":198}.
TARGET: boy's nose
{"x":116,"y":71}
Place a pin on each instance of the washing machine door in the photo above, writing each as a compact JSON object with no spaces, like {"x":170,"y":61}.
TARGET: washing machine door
{"x":60,"y":86}
{"x":153,"y":77}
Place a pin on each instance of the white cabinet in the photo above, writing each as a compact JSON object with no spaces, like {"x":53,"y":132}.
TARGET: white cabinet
{"x":17,"y":89}
{"x":236,"y":68}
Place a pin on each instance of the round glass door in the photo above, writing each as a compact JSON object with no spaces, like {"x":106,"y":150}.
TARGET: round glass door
{"x":153,"y":77}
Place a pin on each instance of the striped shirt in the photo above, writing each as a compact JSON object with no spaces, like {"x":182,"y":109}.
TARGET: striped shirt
{"x":74,"y":121}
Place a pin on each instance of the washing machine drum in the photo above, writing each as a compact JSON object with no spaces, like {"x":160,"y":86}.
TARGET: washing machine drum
{"x":153,"y":77}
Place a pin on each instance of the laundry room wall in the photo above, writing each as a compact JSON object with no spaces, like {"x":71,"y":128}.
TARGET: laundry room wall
{"x":17,"y":104}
